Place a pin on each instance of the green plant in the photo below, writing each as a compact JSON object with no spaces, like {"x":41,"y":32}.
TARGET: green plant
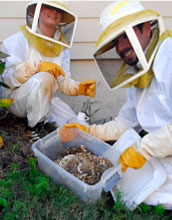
{"x":2,"y":66}
{"x":14,"y":148}
{"x":4,"y":102}
{"x":3,"y":135}
{"x":29,"y":194}
{"x":119,"y":204}
{"x":88,"y":109}
{"x":144,"y":207}
{"x":159,"y":209}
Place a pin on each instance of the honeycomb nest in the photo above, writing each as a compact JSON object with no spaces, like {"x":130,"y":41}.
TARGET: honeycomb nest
{"x":83,"y":164}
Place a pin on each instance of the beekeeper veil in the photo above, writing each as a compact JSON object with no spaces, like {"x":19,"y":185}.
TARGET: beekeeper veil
{"x":123,"y":20}
{"x":65,"y":28}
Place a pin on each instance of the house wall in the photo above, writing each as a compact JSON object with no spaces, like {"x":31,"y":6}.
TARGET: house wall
{"x":12,"y":15}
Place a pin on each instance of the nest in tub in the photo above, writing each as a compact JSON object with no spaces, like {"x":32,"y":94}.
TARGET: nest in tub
{"x":83,"y":164}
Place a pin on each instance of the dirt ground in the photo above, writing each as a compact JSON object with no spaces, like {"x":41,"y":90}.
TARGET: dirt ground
{"x":17,"y":141}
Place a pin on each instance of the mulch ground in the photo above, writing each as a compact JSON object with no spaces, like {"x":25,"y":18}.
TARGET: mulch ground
{"x":17,"y":141}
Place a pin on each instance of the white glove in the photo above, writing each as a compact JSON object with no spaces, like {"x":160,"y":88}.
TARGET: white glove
{"x":106,"y":132}
{"x":156,"y":144}
{"x":24,"y":71}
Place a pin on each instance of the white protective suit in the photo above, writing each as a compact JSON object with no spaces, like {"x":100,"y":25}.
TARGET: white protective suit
{"x":33,"y":96}
{"x":149,"y":93}
{"x":150,"y":109}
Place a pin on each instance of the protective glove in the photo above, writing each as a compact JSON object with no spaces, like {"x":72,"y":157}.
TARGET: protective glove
{"x":67,"y":133}
{"x":88,"y":88}
{"x":76,"y":125}
{"x":156,"y":144}
{"x":52,"y":68}
{"x":1,"y":142}
{"x":131,"y":158}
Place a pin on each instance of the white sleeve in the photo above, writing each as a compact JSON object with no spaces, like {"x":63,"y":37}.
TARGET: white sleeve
{"x":106,"y":132}
{"x":67,"y":85}
{"x":127,"y":117}
{"x":156,"y":144}
{"x":8,"y":76}
{"x":114,"y":129}
{"x":16,"y":65}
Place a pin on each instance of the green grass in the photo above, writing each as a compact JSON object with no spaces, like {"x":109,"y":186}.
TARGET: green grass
{"x":31,"y":195}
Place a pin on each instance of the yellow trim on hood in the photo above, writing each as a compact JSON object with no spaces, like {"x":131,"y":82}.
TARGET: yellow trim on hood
{"x":123,"y":22}
{"x":118,"y":6}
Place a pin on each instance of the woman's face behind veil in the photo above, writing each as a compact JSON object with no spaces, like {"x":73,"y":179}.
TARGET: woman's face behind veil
{"x":50,"y":16}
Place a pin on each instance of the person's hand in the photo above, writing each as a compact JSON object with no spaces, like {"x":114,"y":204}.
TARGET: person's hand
{"x":88,"y":88}
{"x":68,"y":133}
{"x":52,"y":68}
{"x":131,"y":158}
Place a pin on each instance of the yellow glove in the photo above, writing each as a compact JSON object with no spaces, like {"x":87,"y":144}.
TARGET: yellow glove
{"x":131,"y":158}
{"x":67,"y":133}
{"x":1,"y":142}
{"x":88,"y":88}
{"x":52,"y":68}
{"x":76,"y":125}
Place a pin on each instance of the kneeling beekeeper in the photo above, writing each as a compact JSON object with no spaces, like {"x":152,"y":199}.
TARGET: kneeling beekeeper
{"x":39,"y":65}
{"x":135,"y":51}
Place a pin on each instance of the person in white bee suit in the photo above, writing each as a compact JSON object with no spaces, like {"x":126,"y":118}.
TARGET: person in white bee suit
{"x":135,"y":51}
{"x":39,"y":65}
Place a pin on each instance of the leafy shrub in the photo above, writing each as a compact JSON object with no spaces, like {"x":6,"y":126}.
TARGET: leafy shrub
{"x":4,"y":102}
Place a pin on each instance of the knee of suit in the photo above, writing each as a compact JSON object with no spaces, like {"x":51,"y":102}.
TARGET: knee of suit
{"x":46,"y":82}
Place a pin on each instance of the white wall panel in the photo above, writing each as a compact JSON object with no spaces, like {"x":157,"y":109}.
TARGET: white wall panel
{"x":12,"y":15}
{"x":9,"y":27}
{"x":84,"y":32}
{"x":84,"y":50}
{"x":12,"y":9}
{"x":81,"y":8}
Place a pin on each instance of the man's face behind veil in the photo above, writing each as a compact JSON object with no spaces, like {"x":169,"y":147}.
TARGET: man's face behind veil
{"x":124,"y":47}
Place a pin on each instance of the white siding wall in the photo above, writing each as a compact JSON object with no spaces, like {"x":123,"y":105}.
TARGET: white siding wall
{"x":12,"y":15}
